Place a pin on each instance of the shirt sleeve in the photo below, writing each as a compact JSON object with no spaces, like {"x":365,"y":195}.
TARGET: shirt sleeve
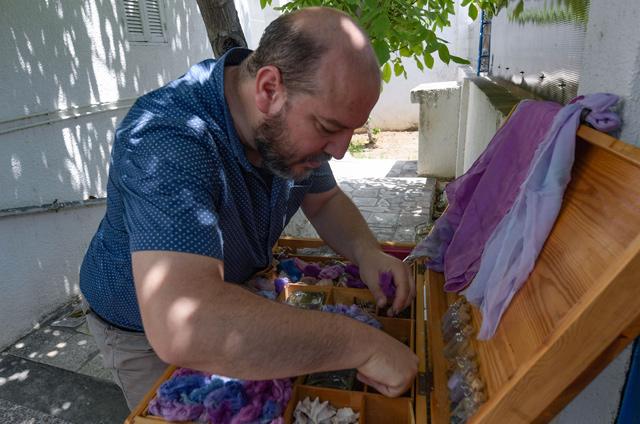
{"x":168,"y":183}
{"x":322,"y":179}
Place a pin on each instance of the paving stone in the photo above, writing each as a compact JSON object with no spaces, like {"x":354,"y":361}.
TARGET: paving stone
{"x":95,"y":368}
{"x":411,"y":219}
{"x":365,"y":201}
{"x":56,"y":347}
{"x":373,"y":209}
{"x":72,"y":354}
{"x":405,"y":235}
{"x":67,"y":395}
{"x":12,"y":413}
{"x":41,"y":343}
{"x":365,"y":192}
{"x":84,"y":328}
{"x":383,"y":219}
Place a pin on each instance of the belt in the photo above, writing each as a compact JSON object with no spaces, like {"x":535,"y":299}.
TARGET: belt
{"x":107,"y":322}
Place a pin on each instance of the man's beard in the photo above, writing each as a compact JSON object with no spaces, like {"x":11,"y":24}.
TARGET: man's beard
{"x":276,"y":149}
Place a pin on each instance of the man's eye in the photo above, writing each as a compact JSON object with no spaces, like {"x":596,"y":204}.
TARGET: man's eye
{"x":326,"y":130}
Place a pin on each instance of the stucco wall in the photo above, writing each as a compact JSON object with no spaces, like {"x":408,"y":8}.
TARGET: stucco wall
{"x":69,"y":75}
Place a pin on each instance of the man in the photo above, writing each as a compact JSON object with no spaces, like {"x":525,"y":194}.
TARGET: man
{"x":205,"y":173}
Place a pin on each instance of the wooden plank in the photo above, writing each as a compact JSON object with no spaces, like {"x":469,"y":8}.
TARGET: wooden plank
{"x":436,"y":307}
{"x":625,"y":150}
{"x":303,"y":243}
{"x":137,"y":415}
{"x":591,"y":372}
{"x":597,"y":223}
{"x":605,"y":311}
{"x":421,"y":347}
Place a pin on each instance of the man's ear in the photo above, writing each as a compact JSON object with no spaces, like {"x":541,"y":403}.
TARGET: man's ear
{"x":270,"y":92}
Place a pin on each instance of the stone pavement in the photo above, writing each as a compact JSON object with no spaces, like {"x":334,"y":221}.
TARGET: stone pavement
{"x":393,"y":200}
{"x":54,"y":374}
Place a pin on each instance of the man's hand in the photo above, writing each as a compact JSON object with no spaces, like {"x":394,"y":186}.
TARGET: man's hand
{"x":372,"y":264}
{"x":391,"y":369}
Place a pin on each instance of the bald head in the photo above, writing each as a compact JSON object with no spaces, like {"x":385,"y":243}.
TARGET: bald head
{"x":299,"y":43}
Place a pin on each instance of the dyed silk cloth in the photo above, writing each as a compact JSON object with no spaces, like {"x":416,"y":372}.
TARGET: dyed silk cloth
{"x":191,"y":395}
{"x":511,"y":251}
{"x":482,"y":196}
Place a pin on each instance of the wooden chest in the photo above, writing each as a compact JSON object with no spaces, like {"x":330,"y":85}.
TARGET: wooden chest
{"x":578,"y":309}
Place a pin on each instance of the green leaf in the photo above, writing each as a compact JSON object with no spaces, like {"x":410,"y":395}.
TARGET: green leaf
{"x":382,"y":50}
{"x":459,"y":60}
{"x":417,"y":49}
{"x":519,"y":8}
{"x":398,"y":69}
{"x":405,"y":52}
{"x":428,"y":60}
{"x":473,"y":11}
{"x":263,"y":3}
{"x":386,"y":72}
{"x":443,"y":52}
{"x":380,"y":24}
{"x":419,"y":64}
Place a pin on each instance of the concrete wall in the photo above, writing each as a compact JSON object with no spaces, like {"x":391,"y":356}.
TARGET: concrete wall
{"x":69,"y":75}
{"x":438,"y":135}
{"x":483,"y":120}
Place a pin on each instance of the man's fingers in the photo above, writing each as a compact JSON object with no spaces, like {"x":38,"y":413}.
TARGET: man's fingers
{"x":403,"y":289}
{"x":382,"y":388}
{"x":412,"y":291}
{"x":376,"y":291}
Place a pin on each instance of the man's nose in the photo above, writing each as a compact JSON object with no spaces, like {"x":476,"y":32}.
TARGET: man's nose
{"x":338,"y":144}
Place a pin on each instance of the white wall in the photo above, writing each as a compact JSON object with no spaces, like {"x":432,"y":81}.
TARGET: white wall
{"x":612,"y":59}
{"x":69,"y":75}
{"x":611,"y":64}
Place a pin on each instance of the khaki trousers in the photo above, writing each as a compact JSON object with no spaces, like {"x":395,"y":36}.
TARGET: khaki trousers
{"x":129,"y":357}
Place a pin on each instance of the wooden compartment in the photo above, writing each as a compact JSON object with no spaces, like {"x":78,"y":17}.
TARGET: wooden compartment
{"x":290,"y":288}
{"x":382,"y":410}
{"x":379,"y":409}
{"x":337,"y":398}
{"x":399,"y":328}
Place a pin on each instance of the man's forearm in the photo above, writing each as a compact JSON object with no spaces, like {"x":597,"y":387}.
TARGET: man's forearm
{"x":238,"y":334}
{"x":348,"y":235}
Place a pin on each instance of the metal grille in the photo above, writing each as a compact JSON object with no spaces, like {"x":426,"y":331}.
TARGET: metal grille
{"x":541,"y":48}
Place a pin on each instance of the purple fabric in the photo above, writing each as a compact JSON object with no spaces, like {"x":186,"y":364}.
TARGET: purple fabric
{"x":331,"y":272}
{"x":311,"y":270}
{"x":387,"y":285}
{"x":353,"y":270}
{"x":353,"y":311}
{"x":482,"y":196}
{"x":195,"y":396}
{"x":510,"y":253}
{"x":354,"y":282}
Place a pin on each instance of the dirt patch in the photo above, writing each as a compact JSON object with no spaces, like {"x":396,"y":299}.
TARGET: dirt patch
{"x":399,"y":145}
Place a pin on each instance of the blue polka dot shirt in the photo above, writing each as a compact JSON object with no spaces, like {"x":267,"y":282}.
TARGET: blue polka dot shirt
{"x":179,"y":181}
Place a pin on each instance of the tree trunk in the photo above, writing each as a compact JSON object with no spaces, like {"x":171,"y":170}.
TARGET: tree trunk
{"x":223,"y":27}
